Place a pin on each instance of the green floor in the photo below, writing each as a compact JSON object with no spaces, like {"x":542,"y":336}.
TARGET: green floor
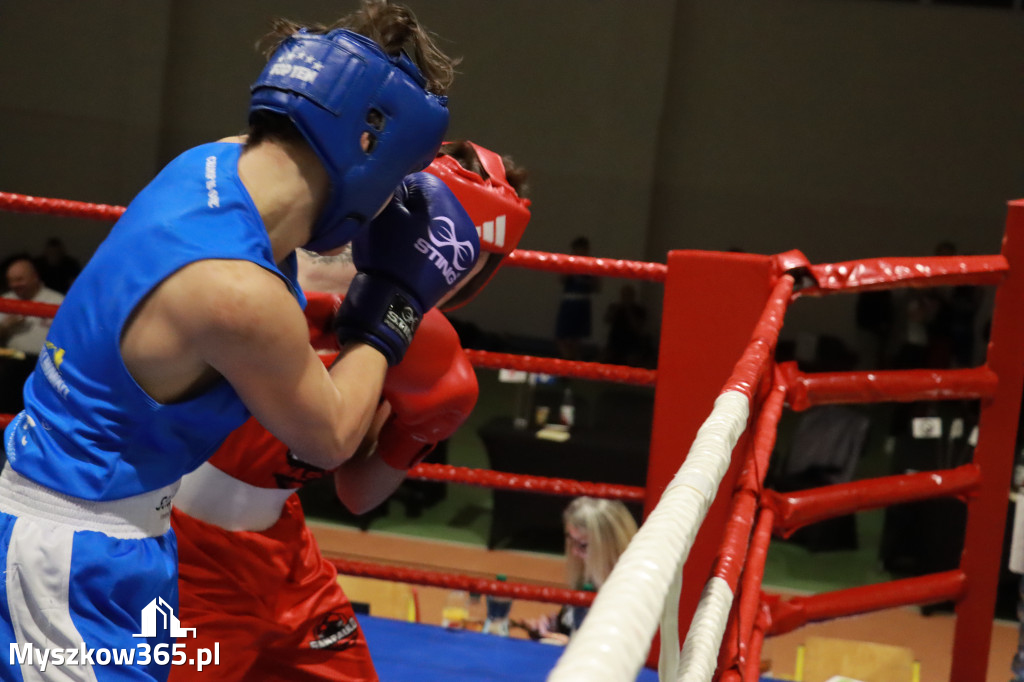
{"x":464,"y":514}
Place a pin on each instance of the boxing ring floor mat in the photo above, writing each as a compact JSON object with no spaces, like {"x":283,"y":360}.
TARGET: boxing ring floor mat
{"x":414,"y":652}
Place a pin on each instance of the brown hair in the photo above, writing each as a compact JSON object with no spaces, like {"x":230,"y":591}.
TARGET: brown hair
{"x":393,"y":27}
{"x":463,"y":152}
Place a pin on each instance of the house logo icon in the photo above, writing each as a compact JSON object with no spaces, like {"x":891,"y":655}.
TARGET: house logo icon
{"x":159,"y":611}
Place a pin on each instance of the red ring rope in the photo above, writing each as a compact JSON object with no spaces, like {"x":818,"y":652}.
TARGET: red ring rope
{"x":881,"y":273}
{"x":535,"y":484}
{"x":586,"y":265}
{"x":564,"y":368}
{"x":455,"y":581}
{"x":22,"y":203}
{"x":535,"y":260}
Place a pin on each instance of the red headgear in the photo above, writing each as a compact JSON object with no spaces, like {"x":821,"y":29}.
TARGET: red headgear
{"x":500,"y":215}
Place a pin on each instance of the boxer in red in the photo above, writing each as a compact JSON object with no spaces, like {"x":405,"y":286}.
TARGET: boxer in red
{"x":252,"y":579}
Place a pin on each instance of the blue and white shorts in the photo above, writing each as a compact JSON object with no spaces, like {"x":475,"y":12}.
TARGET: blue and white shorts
{"x":84,"y":584}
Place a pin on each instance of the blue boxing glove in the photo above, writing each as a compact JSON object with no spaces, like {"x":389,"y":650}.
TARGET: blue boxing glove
{"x":417,"y":250}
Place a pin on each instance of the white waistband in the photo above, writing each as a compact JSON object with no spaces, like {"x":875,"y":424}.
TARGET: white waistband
{"x":212,"y":496}
{"x":141,"y":516}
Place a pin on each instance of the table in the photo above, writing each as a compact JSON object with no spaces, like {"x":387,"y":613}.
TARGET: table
{"x":534,"y":521}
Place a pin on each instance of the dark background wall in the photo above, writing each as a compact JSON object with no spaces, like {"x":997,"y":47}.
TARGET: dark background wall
{"x":844,"y":128}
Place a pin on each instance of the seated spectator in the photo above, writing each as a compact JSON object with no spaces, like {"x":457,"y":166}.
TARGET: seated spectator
{"x":597,"y":532}
{"x":21,"y":336}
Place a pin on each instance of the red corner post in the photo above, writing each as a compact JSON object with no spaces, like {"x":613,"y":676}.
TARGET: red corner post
{"x":712,"y":304}
{"x":997,"y":433}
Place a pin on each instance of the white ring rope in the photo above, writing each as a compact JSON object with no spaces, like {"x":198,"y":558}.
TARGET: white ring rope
{"x":668,"y":656}
{"x":700,"y":652}
{"x":613,"y":641}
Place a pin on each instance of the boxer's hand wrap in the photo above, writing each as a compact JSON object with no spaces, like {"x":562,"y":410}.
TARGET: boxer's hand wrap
{"x":417,"y":250}
{"x":431,"y":392}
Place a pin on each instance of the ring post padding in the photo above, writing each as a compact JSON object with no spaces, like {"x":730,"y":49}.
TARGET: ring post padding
{"x":713,"y":302}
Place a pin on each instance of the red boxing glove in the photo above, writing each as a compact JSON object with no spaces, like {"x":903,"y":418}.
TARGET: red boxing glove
{"x":320,"y":311}
{"x":431,"y":392}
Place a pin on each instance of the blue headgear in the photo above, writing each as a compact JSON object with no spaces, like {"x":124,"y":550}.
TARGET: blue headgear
{"x":329,"y":85}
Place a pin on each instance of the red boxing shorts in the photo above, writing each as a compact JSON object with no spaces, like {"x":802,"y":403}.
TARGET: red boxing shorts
{"x":268,"y":602}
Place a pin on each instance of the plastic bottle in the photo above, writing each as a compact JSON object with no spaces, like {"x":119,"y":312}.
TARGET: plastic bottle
{"x":477,"y":611}
{"x":456,"y":610}
{"x":497,"y":613}
{"x":524,"y":401}
{"x":567,"y":411}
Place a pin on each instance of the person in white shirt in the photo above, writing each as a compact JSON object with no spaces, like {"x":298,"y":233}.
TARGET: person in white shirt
{"x":21,"y":336}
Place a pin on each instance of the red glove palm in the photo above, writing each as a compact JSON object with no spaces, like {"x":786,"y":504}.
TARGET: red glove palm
{"x":320,"y":311}
{"x":431,"y":392}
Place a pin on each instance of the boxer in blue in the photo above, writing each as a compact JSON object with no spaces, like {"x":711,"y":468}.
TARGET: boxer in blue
{"x":188,"y":319}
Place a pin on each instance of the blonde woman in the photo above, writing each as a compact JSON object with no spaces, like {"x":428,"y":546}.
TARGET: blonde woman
{"x":596,"y":533}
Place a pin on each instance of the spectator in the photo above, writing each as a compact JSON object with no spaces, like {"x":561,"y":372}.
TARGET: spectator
{"x":597,"y":532}
{"x":923,"y":339}
{"x":21,"y":336}
{"x":940,"y":324}
{"x":874,"y":317}
{"x":627,"y":344}
{"x":56,"y":267}
{"x":573,"y":324}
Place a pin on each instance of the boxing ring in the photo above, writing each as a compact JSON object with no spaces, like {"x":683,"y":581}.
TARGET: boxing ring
{"x":697,"y":563}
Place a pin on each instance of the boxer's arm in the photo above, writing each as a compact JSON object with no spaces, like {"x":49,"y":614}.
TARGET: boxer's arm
{"x":365,"y":481}
{"x":256,"y":337}
{"x":428,"y":396}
